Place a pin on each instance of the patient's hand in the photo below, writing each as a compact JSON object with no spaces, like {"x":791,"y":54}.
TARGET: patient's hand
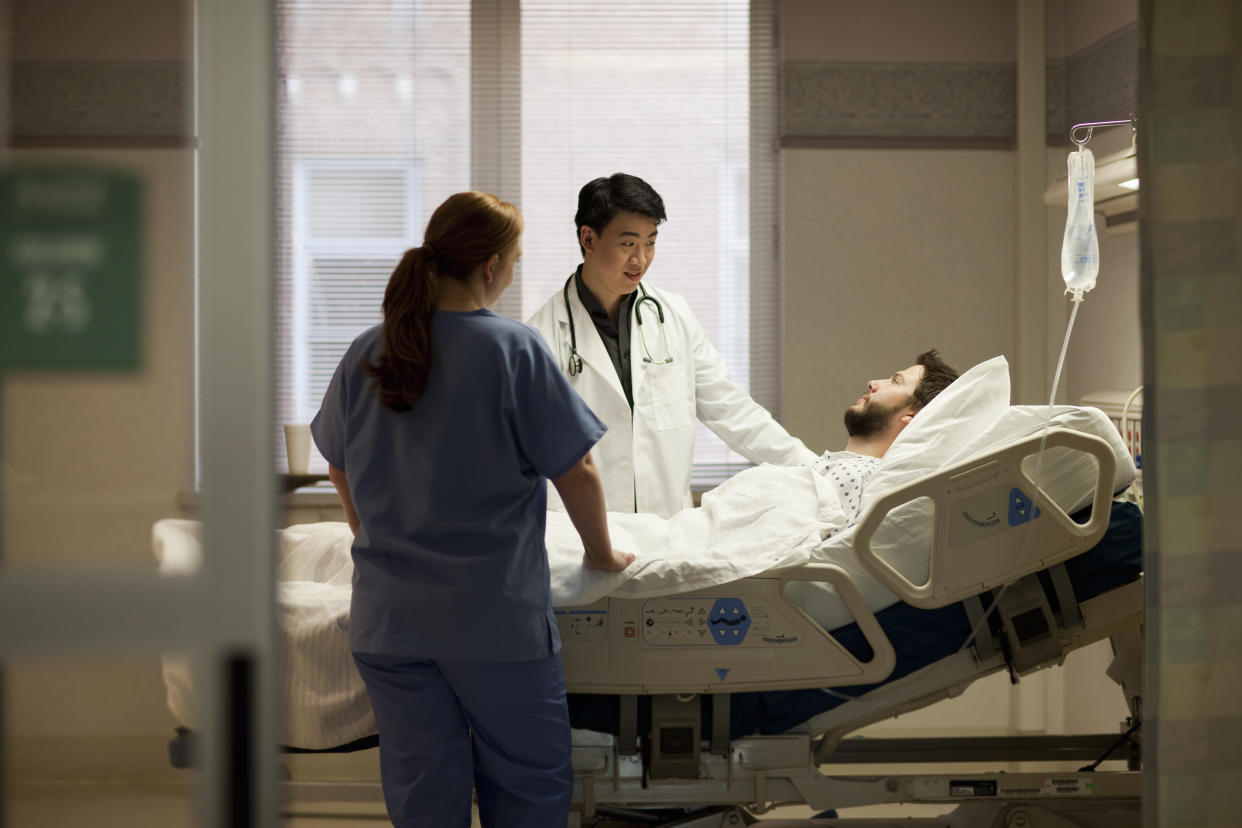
{"x":611,"y":561}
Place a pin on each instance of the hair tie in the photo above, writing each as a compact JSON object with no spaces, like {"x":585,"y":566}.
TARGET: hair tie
{"x":429,"y":250}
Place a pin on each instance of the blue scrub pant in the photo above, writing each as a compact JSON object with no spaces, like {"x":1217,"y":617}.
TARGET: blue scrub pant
{"x":518,"y":758}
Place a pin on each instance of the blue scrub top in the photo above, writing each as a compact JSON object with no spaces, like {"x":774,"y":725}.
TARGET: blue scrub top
{"x":449,"y":559}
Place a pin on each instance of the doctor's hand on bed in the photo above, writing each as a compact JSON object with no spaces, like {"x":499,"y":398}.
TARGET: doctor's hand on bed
{"x":583,"y":495}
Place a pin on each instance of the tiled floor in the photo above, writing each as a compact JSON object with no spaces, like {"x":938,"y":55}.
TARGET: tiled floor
{"x":170,"y":805}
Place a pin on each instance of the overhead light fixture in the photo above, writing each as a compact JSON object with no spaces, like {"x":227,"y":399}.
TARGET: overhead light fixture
{"x":1131,"y":184}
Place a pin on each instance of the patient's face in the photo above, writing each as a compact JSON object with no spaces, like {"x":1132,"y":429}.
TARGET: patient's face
{"x":885,"y":400}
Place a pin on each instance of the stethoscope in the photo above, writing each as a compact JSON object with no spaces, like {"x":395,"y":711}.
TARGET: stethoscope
{"x":575,"y":361}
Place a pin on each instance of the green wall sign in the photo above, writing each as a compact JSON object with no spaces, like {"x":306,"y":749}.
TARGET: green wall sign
{"x":70,"y":268}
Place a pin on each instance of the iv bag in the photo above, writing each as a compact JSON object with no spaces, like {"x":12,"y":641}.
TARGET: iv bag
{"x":1080,"y":249}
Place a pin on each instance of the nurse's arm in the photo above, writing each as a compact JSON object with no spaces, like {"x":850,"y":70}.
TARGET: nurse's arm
{"x":347,"y":501}
{"x":583,"y":494}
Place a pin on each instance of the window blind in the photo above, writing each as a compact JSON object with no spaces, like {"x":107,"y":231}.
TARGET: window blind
{"x":387,"y":107}
{"x":373,"y":124}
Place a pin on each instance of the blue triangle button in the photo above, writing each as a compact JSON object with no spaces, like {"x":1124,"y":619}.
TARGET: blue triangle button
{"x":1020,"y":508}
{"x":722,"y":672}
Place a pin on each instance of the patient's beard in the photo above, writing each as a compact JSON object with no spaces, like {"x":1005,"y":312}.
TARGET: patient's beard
{"x":870,"y":419}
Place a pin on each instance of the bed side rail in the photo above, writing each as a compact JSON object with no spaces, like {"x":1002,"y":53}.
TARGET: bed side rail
{"x":992,"y":524}
{"x":742,"y":636}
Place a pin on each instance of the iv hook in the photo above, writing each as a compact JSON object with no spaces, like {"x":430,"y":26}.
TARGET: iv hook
{"x":1090,"y":126}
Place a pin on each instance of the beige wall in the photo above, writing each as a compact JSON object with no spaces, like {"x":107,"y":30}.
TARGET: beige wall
{"x":888,"y":253}
{"x":90,"y":462}
{"x":951,"y":31}
{"x":93,"y":30}
{"x":955,"y":31}
{"x":1074,"y":25}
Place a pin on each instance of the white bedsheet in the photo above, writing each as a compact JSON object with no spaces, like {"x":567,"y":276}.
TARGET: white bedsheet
{"x":767,"y":517}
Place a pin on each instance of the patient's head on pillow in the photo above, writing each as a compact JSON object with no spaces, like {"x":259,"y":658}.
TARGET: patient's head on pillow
{"x":961,"y":411}
{"x":937,"y":376}
{"x":879,"y":415}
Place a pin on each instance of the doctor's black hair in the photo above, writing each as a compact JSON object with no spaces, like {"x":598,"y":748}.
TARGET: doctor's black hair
{"x":600,"y":200}
{"x":937,"y":376}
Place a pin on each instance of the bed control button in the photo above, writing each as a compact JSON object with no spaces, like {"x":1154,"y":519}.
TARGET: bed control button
{"x":729,"y":621}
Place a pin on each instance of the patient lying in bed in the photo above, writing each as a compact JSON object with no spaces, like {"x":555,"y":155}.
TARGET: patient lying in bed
{"x":763,"y":518}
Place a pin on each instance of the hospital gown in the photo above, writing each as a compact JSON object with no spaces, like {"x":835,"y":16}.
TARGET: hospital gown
{"x":849,"y":472}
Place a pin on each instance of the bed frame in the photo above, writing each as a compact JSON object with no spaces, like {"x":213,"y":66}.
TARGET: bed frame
{"x":669,"y":648}
{"x":992,"y":525}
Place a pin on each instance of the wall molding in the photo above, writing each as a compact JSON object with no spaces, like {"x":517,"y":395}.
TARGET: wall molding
{"x":956,"y":105}
{"x":113,"y":103}
{"x":891,"y":142}
{"x":1101,"y":80}
{"x":898,"y":100}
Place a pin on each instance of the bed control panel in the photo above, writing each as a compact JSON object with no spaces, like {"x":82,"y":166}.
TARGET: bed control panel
{"x":714,"y":622}
{"x":582,"y":625}
{"x":990,"y":512}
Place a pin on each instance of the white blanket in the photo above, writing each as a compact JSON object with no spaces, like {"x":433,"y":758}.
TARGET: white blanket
{"x":763,"y":518}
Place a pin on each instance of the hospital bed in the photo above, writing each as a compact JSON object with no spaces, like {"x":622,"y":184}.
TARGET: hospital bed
{"x":709,"y":718}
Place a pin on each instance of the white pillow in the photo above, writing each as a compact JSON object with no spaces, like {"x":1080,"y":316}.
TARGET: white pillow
{"x":970,"y":405}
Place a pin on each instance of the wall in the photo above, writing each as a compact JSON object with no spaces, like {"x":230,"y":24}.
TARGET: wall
{"x":873,"y":274}
{"x":91,"y":461}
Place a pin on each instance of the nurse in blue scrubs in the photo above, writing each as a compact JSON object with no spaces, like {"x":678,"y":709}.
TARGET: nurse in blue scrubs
{"x":440,"y":427}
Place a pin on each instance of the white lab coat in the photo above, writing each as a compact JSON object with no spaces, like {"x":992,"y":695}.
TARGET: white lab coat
{"x":645,"y":460}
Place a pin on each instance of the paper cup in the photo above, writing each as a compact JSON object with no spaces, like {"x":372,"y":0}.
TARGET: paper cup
{"x":297,"y":447}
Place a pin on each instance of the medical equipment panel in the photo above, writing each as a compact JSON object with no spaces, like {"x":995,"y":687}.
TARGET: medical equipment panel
{"x":721,"y":639}
{"x":726,"y":621}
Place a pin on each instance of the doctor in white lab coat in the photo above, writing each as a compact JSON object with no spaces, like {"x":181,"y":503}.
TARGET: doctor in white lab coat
{"x":648,"y":378}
